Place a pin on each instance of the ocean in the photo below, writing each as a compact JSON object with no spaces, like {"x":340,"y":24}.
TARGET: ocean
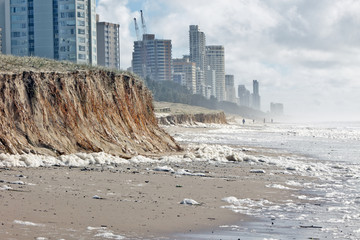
{"x":326,"y":154}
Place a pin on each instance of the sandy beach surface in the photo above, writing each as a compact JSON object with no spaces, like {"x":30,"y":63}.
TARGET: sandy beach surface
{"x":130,"y":201}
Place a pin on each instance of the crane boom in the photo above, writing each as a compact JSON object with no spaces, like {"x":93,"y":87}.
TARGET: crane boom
{"x":143,"y":22}
{"x":137,"y":30}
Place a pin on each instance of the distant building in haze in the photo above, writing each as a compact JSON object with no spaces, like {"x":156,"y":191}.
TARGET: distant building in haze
{"x":57,"y":29}
{"x":244,"y":96}
{"x":108,"y":44}
{"x":152,"y":58}
{"x":255,"y":95}
{"x":210,"y":82}
{"x":185,"y":71}
{"x":277,"y":108}
{"x":230,"y":88}
{"x":200,"y":82}
{"x":215,"y":58}
{"x":180,"y":78}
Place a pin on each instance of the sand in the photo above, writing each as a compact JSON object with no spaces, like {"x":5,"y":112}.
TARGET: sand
{"x":128,"y":202}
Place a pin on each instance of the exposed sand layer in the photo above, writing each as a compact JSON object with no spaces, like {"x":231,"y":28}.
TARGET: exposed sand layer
{"x":135,"y":201}
{"x":177,"y":113}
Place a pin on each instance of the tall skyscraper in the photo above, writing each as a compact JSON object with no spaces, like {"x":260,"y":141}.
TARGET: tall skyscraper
{"x":230,"y":88}
{"x":215,"y":58}
{"x":255,"y":95}
{"x":59,"y":29}
{"x":108,"y":44}
{"x":197,"y":43}
{"x":188,"y":69}
{"x":244,"y":96}
{"x":152,"y":58}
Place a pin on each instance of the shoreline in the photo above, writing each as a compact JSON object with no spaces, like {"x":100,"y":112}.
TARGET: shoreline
{"x":135,"y":200}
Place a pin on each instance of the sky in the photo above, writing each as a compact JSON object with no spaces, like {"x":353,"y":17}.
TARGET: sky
{"x":304,"y":53}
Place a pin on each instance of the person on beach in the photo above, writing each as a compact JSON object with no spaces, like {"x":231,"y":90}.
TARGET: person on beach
{"x":243,"y":120}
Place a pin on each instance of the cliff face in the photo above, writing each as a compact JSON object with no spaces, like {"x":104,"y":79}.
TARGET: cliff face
{"x":61,"y":113}
{"x":219,"y":118}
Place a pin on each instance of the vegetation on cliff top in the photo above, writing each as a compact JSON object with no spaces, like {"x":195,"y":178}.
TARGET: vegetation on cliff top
{"x":14,"y":64}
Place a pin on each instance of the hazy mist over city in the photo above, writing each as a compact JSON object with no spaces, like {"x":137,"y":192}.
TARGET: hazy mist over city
{"x":305,"y":54}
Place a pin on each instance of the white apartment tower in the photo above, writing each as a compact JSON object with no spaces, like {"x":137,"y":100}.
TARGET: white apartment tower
{"x":197,"y":43}
{"x":230,"y":88}
{"x":215,"y":58}
{"x":108,"y":44}
{"x":58,"y":29}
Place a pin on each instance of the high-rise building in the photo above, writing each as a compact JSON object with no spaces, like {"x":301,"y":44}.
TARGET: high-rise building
{"x":255,"y":95}
{"x":200,"y":82}
{"x":59,"y":29}
{"x":197,"y":43}
{"x":244,"y":96}
{"x":277,"y":108}
{"x":186,"y":68}
{"x":210,"y":81}
{"x":180,"y":78}
{"x":108,"y":44}
{"x":0,"y":40}
{"x":215,"y":58}
{"x":230,"y":88}
{"x":4,"y":25}
{"x":152,"y":58}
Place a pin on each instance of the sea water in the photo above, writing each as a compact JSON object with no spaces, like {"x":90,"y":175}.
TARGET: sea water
{"x":328,"y":206}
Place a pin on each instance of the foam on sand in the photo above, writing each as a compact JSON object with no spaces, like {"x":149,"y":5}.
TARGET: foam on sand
{"x":188,"y":201}
{"x":195,"y":152}
{"x":103,"y":232}
{"x":27,"y":223}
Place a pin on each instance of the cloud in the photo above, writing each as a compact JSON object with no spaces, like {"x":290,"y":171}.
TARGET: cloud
{"x":302,"y":52}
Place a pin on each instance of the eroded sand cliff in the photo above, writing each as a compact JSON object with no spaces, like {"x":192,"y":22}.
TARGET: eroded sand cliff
{"x":91,"y":110}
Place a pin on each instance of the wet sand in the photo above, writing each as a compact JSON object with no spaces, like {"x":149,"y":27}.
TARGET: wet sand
{"x":136,"y":201}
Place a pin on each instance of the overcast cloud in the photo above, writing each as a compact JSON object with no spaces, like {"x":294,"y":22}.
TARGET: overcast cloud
{"x":304,"y":53}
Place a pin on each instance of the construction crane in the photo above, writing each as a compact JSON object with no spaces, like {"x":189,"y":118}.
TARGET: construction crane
{"x":137,"y":30}
{"x":143,"y":22}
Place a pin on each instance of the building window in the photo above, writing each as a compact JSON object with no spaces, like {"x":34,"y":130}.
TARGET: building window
{"x":67,"y":7}
{"x":15,"y":34}
{"x":81,"y":6}
{"x":67,"y":15}
{"x":81,"y":14}
{"x":82,"y":56}
{"x":82,"y":48}
{"x":81,"y":23}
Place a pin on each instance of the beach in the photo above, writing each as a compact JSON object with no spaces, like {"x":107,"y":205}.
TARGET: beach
{"x":250,"y":182}
{"x":137,"y":199}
